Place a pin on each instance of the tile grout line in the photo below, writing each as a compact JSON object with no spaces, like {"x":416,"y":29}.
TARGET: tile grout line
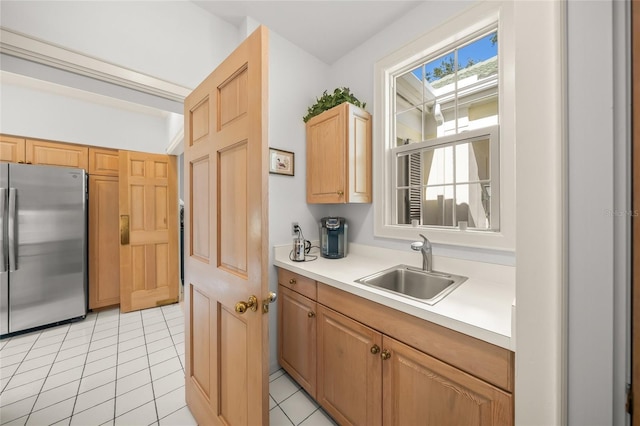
{"x":278,"y":404}
{"x":115,"y":388}
{"x":153,"y":392}
{"x":179,"y":360}
{"x":174,"y":343}
{"x":152,"y":322}
{"x":83,"y":367}
{"x":47,"y":376}
{"x":20,"y":363}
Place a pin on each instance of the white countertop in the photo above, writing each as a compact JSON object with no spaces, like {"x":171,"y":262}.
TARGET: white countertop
{"x":482,"y":307}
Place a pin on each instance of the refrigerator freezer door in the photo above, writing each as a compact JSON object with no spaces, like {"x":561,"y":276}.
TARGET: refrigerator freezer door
{"x":49,"y":281}
{"x":4,"y":260}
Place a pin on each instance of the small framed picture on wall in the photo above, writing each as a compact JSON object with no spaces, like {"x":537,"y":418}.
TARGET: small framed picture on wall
{"x":281,"y":162}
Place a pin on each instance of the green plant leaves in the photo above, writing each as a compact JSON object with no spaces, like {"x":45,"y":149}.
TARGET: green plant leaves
{"x":328,"y":101}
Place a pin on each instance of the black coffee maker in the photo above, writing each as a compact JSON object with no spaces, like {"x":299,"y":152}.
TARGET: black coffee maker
{"x":333,"y":237}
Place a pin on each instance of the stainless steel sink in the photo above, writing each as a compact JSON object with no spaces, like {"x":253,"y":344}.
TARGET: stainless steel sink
{"x":426,"y":287}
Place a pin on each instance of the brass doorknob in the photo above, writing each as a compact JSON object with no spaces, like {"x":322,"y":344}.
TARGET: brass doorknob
{"x":311,"y":314}
{"x":340,"y":193}
{"x":292,"y":281}
{"x":252,"y":303}
{"x":270,"y":299}
{"x":385,"y":355}
{"x":375,"y":349}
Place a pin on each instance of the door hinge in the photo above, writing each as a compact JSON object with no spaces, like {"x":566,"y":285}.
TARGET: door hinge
{"x":629,"y":403}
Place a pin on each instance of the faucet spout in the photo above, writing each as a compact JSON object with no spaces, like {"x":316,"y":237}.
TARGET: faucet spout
{"x":425,"y":248}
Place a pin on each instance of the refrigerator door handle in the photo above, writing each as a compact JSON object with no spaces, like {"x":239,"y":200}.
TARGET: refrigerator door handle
{"x":12,"y":230}
{"x":3,"y":205}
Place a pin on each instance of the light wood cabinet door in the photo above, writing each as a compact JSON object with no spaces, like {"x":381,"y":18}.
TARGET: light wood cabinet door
{"x":57,"y":154}
{"x":297,"y":337}
{"x":419,"y":389}
{"x":104,"y":248}
{"x":12,"y":149}
{"x":104,"y":162}
{"x":339,"y":156}
{"x":349,"y":369}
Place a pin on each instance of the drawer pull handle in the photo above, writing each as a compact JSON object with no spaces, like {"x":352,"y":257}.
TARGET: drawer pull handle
{"x":292,"y":281}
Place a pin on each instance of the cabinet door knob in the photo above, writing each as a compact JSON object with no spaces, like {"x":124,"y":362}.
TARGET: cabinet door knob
{"x":375,"y":349}
{"x":385,"y":355}
{"x":292,"y":281}
{"x":311,"y":314}
{"x":340,"y":192}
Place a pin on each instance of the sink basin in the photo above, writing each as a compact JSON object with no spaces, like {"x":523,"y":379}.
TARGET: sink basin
{"x":414,"y":283}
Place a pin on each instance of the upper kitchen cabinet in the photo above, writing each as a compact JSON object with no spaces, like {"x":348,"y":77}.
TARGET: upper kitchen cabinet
{"x":57,"y":154}
{"x":339,"y":156}
{"x":104,"y":162}
{"x":12,"y":149}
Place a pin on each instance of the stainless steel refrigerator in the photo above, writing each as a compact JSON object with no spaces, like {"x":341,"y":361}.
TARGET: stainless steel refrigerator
{"x":43,"y":247}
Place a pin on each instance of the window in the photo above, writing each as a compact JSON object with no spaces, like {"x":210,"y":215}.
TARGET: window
{"x":449,"y":182}
{"x":442,"y":166}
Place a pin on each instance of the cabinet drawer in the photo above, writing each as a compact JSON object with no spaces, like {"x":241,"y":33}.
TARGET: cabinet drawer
{"x":303,"y":285}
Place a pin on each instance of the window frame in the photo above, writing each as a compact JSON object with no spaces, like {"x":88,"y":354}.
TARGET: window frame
{"x":481,"y":17}
{"x":492,"y":133}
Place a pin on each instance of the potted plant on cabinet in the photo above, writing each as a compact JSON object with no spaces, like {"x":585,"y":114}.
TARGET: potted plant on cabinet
{"x":328,"y":101}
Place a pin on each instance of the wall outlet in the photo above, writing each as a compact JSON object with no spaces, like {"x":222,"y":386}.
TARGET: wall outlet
{"x":294,"y":228}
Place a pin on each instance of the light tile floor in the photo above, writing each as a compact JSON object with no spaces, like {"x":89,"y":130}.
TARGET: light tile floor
{"x":117,"y":369}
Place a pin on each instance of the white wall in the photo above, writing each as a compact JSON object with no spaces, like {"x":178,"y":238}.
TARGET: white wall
{"x":175,"y":40}
{"x":172,"y":40}
{"x":41,"y":110}
{"x":295,"y":79}
{"x":599,"y":176}
{"x":355,"y":70}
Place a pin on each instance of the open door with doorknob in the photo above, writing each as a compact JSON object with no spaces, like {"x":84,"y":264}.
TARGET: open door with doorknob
{"x":226,"y":240}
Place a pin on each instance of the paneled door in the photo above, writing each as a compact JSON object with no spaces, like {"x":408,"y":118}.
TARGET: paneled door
{"x":148,"y":230}
{"x":226,"y":240}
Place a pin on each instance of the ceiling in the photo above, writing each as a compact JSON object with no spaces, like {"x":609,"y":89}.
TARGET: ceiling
{"x":326,"y":29}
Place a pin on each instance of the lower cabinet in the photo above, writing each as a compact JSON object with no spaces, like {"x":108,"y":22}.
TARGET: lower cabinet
{"x":419,"y":389}
{"x":349,"y":369}
{"x":297,"y":353}
{"x":363,"y":376}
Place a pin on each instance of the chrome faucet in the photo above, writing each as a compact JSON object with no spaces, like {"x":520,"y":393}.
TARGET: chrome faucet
{"x":425,"y":249}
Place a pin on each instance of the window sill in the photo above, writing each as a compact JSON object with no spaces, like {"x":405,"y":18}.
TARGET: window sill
{"x":455,"y":237}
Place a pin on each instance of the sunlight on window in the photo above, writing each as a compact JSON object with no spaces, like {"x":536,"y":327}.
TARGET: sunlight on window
{"x":443,"y":172}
